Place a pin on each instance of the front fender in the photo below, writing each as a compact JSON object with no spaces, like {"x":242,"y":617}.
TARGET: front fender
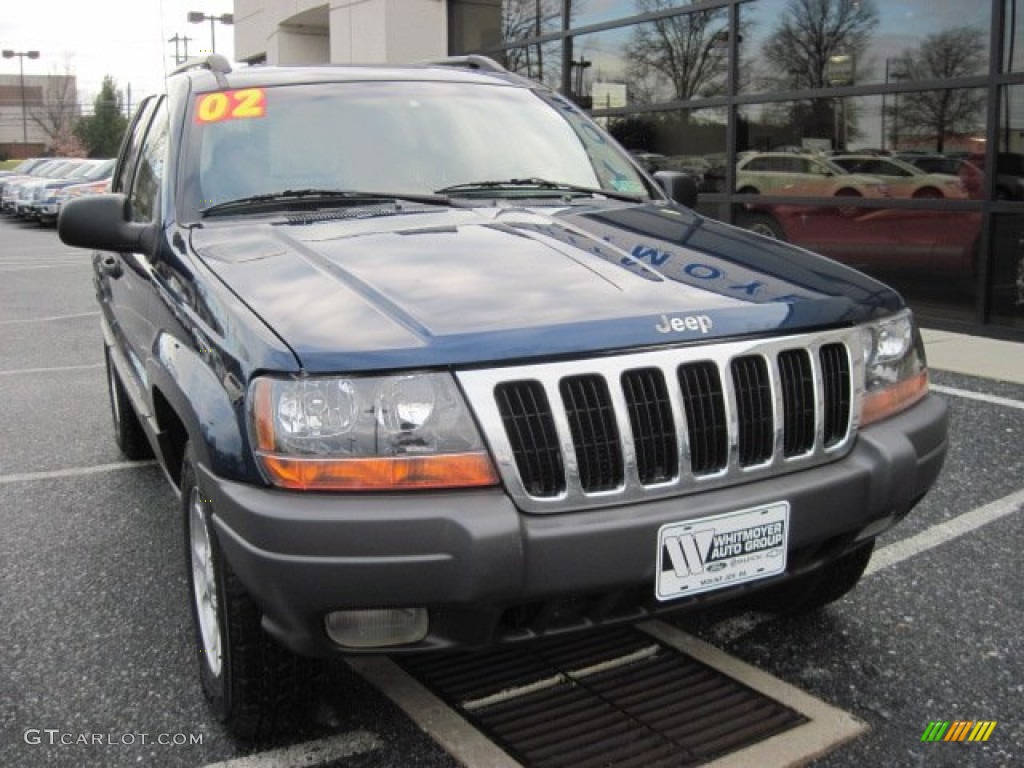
{"x":210,"y":402}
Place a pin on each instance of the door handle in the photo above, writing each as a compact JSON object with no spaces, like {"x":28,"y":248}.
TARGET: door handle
{"x":110,"y":266}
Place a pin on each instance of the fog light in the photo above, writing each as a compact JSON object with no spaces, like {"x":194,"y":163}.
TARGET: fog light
{"x":378,"y":627}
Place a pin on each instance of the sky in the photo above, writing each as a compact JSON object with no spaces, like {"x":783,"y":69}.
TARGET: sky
{"x":126,"y":39}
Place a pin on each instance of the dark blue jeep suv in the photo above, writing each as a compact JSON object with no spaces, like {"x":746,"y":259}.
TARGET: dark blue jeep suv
{"x":433,"y":363}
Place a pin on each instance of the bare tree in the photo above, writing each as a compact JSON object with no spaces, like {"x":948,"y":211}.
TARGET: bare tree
{"x":59,"y":110}
{"x":525,"y":19}
{"x":811,"y":32}
{"x":802,"y":50}
{"x":685,"y":55}
{"x":952,"y":53}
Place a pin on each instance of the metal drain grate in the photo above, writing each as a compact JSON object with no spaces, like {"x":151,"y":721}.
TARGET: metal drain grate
{"x":619,"y":698}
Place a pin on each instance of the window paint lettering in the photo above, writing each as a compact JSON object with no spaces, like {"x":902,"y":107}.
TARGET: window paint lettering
{"x":231,"y":105}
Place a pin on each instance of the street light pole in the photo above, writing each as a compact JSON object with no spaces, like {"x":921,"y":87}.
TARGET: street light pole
{"x":198,"y":17}
{"x":9,"y":54}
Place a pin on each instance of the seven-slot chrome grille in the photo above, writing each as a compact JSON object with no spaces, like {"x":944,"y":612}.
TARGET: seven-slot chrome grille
{"x":609,"y":430}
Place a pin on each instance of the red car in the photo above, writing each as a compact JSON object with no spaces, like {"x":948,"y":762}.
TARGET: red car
{"x":874,"y":238}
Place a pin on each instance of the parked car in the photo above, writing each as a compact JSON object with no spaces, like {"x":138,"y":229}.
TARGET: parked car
{"x":25,"y":191}
{"x":93,"y":176}
{"x":884,"y":239}
{"x":8,"y":193}
{"x":22,"y":168}
{"x":803,"y":175}
{"x":1009,"y":174}
{"x":970,"y":175}
{"x":420,"y":386}
{"x":903,"y":179}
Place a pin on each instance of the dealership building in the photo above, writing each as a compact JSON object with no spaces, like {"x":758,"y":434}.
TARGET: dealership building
{"x":771,"y":105}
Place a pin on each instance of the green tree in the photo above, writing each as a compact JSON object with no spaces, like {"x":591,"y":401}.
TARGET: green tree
{"x":102,"y":131}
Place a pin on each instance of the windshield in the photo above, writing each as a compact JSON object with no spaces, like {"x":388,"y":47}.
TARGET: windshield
{"x":394,"y":138}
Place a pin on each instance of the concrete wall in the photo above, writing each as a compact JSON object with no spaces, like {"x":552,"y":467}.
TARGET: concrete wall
{"x":284,"y":32}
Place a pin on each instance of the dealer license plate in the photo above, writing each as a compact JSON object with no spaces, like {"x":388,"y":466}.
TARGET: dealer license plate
{"x":721,"y":551}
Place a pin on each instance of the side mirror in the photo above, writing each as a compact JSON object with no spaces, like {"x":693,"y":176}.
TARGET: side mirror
{"x":679,"y":187}
{"x":99,"y":222}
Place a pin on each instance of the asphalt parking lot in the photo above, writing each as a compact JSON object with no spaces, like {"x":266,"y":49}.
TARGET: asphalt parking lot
{"x":96,"y":664}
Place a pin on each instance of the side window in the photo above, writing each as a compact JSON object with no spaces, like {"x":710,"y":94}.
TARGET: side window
{"x":130,"y":148}
{"x":149,"y":173}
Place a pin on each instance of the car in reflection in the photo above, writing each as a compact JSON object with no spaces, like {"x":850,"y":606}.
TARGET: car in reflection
{"x":790,"y":173}
{"x":875,"y":239}
{"x":650,"y":161}
{"x":970,"y":175}
{"x":902,"y":178}
{"x":1009,"y":174}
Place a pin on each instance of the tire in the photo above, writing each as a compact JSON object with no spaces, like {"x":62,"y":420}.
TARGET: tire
{"x":128,"y":432}
{"x":763,"y":224}
{"x":256,"y":688}
{"x":848,"y":210}
{"x":816,"y":590}
{"x":928,"y":193}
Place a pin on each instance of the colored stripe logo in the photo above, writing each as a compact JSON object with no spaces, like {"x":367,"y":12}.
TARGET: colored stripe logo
{"x":958,"y":730}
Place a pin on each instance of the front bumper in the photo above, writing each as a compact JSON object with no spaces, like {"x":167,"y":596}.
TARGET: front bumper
{"x":488,"y":572}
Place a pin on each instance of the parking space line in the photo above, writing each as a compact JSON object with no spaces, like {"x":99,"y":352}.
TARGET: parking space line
{"x":733,"y":628}
{"x":932,"y":537}
{"x":980,"y":396}
{"x":46,"y":266}
{"x":51,"y":319}
{"x":56,"y":474}
{"x":57,"y":369}
{"x":308,"y":753}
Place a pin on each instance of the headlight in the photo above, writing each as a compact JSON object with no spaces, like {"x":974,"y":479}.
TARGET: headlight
{"x":366,"y":433}
{"x":895,"y":371}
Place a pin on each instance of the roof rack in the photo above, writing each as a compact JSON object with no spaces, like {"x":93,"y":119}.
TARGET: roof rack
{"x":472,"y":61}
{"x":217,"y":64}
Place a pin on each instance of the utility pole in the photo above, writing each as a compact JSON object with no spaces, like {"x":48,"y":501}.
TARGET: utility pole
{"x":178,"y":58}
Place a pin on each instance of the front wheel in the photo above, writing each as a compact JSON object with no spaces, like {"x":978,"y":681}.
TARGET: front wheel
{"x":762,"y":224}
{"x":128,"y":432}
{"x":848,"y":210}
{"x":254,"y":686}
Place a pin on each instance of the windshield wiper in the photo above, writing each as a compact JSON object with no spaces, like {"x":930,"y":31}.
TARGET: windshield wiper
{"x":274,"y":200}
{"x":537,"y":183}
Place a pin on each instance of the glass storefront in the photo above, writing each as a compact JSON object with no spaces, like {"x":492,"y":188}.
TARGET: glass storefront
{"x":880,"y":134}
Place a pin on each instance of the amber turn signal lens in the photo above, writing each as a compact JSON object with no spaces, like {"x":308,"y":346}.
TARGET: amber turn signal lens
{"x":891,"y":400}
{"x":458,"y":470}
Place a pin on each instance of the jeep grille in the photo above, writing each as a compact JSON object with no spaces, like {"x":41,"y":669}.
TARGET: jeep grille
{"x":596,"y":432}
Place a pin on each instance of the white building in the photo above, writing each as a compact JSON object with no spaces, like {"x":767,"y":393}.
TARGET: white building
{"x":288,"y":32}
{"x":49,"y":99}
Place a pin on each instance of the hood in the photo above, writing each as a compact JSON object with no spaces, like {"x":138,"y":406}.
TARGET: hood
{"x":437,"y":286}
